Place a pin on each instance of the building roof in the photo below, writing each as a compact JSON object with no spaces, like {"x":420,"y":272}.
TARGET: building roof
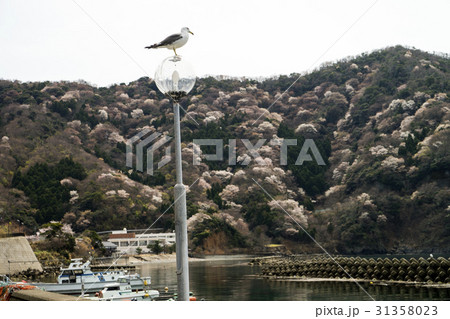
{"x":128,"y":235}
{"x":109,"y":245}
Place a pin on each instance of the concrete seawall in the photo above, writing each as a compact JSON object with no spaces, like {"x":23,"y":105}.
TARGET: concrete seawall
{"x":40,"y":295}
{"x":16,"y":255}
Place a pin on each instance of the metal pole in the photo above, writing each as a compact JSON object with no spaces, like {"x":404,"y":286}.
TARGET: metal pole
{"x":180,"y":216}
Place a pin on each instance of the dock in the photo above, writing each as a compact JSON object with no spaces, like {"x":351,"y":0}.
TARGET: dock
{"x":112,"y":263}
{"x":41,"y":295}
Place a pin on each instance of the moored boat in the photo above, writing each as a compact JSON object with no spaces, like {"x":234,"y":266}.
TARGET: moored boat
{"x":121,"y":291}
{"x":7,"y":287}
{"x":78,"y":278}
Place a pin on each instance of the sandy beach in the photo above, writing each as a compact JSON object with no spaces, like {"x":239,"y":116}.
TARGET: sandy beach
{"x":156,"y":259}
{"x":171,"y":258}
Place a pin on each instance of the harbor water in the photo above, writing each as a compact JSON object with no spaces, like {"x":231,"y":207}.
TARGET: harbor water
{"x":232,"y":279}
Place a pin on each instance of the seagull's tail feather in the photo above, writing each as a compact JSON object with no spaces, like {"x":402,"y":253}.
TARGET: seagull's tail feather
{"x":153,"y":46}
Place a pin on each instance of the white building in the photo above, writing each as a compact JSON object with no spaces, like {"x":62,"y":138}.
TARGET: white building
{"x":128,"y":242}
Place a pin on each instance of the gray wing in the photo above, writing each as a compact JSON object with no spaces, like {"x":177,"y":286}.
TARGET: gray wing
{"x":170,"y":39}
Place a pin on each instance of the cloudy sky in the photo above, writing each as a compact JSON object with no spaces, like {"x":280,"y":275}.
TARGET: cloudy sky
{"x":102,"y":41}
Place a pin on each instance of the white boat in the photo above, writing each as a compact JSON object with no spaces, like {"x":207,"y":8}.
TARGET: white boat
{"x":78,"y":278}
{"x":121,"y":291}
{"x":4,"y":280}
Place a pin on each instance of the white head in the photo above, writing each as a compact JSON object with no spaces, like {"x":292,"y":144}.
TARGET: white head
{"x":186,"y":30}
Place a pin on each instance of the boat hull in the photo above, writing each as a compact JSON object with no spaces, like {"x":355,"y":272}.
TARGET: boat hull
{"x":148,"y":295}
{"x":77,"y":288}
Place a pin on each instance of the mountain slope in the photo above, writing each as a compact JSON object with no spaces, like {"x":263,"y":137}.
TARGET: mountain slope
{"x":380,"y":122}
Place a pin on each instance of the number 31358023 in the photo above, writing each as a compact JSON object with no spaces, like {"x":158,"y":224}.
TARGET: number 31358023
{"x":407,"y":311}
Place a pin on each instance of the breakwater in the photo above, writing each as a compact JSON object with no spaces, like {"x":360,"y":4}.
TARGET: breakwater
{"x":421,"y":270}
{"x":16,"y":256}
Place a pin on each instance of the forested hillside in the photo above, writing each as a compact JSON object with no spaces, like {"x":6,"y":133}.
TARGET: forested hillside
{"x":381,"y":122}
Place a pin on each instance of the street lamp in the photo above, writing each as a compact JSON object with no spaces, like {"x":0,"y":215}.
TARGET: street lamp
{"x":175,"y":78}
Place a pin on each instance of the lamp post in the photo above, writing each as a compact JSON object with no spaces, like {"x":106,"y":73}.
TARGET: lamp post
{"x":175,"y":78}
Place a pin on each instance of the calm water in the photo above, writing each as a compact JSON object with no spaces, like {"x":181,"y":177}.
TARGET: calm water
{"x":232,"y":279}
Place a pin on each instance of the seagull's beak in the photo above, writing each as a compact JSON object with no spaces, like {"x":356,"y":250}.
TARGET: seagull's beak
{"x":190,"y":32}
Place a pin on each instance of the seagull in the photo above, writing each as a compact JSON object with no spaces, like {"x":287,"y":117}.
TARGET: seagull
{"x":173,"y":41}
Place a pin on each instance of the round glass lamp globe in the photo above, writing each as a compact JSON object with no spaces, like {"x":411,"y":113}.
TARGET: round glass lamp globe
{"x":175,"y":77}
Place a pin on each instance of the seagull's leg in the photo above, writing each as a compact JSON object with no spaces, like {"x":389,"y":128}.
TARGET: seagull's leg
{"x":175,"y":52}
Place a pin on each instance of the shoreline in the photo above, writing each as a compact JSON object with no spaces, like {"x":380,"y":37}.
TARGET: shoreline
{"x":137,"y":260}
